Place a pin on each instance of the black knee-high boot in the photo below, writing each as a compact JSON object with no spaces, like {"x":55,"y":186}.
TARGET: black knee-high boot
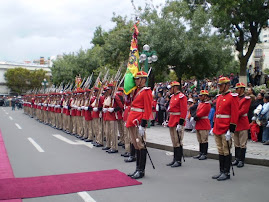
{"x":141,"y":165}
{"x":131,"y":158}
{"x":137,"y":163}
{"x":221,"y":167}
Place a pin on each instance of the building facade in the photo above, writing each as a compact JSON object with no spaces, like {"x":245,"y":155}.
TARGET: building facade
{"x":4,"y":66}
{"x":260,"y":55}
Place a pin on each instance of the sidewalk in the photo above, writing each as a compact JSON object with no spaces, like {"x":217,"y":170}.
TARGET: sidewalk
{"x":158,"y":137}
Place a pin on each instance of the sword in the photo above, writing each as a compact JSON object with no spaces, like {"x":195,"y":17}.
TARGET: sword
{"x":137,"y":124}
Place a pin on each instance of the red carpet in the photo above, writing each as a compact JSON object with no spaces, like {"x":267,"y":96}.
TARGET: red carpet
{"x":5,"y":167}
{"x":14,"y":188}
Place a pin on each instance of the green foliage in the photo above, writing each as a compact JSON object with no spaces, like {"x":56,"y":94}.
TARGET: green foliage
{"x":20,"y":80}
{"x":242,"y":21}
{"x":183,"y":40}
{"x":179,"y":31}
{"x":258,"y":89}
{"x":266,"y":71}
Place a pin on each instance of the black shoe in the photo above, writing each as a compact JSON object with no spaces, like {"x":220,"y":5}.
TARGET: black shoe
{"x":235,"y":162}
{"x":197,"y":156}
{"x":169,"y":164}
{"x":138,"y":174}
{"x":131,"y":174}
{"x":123,"y":146}
{"x":130,"y":159}
{"x":126,"y":154}
{"x":240,"y":164}
{"x":223,"y":176}
{"x":203,"y":157}
{"x":176,"y":164}
{"x":99,"y":145}
{"x":112,"y":151}
{"x":87,"y":140}
{"x":216,"y":176}
{"x":105,"y":148}
{"x":120,"y":144}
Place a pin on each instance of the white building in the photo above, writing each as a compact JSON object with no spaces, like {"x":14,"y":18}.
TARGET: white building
{"x":260,"y":55}
{"x":4,"y":66}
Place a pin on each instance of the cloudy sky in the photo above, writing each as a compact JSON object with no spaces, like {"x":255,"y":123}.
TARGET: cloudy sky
{"x":33,"y":28}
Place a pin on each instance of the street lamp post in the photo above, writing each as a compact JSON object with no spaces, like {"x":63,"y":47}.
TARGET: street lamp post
{"x":44,"y":83}
{"x":148,"y":57}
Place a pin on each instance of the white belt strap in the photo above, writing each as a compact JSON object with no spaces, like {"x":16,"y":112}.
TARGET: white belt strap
{"x":244,"y":115}
{"x":204,"y":117}
{"x":175,"y":113}
{"x":223,"y":116}
{"x":137,"y":109}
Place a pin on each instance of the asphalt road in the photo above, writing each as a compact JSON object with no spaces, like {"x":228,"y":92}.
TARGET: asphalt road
{"x":190,"y":183}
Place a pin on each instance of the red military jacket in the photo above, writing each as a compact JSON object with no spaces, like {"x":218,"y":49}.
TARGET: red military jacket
{"x":67,"y":112}
{"x":127,"y":104}
{"x":95,"y":115}
{"x":142,"y":101}
{"x":73,"y":111}
{"x":120,"y":112}
{"x":202,"y":113}
{"x":88,"y":114}
{"x":178,"y":104}
{"x":227,"y":105}
{"x":111,"y":116}
{"x":243,"y":123}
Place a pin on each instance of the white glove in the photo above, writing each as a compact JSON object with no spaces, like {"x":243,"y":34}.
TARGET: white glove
{"x":267,"y":124}
{"x":179,"y":127}
{"x":79,"y":108}
{"x":111,"y":109}
{"x":104,"y":110}
{"x":82,"y":107}
{"x":86,"y":108}
{"x":141,"y":131}
{"x":95,"y":109}
{"x":228,"y":135}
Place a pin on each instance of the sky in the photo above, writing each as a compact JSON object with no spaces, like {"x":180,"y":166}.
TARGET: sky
{"x":30,"y":29}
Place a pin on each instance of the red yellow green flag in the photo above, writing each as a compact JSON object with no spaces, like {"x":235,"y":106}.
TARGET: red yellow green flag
{"x":132,"y":67}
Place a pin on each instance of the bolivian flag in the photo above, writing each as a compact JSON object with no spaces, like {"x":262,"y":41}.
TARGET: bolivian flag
{"x":132,"y":67}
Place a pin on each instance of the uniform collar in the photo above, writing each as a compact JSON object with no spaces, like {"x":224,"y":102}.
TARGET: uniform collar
{"x":225,"y":93}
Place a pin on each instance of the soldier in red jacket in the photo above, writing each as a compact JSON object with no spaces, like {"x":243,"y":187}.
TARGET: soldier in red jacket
{"x":241,"y":133}
{"x":140,"y":113}
{"x":226,"y":117}
{"x":202,"y":124}
{"x":177,"y":112}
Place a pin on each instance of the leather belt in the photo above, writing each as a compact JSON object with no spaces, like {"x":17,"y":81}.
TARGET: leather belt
{"x":137,"y":109}
{"x":222,"y":116}
{"x":174,"y":113}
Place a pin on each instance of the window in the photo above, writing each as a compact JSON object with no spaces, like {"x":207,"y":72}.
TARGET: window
{"x":265,"y":36}
{"x":258,"y":53}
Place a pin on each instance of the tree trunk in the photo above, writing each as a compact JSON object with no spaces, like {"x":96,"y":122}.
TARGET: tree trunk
{"x":243,"y":68}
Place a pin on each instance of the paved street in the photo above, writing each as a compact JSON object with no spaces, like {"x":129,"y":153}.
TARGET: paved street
{"x":35,"y":149}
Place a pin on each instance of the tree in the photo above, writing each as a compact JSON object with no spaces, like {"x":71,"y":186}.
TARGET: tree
{"x":184,"y":41}
{"x":19,"y":80}
{"x":242,"y":21}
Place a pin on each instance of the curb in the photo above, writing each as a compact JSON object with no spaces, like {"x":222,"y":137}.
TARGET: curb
{"x":190,"y":153}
